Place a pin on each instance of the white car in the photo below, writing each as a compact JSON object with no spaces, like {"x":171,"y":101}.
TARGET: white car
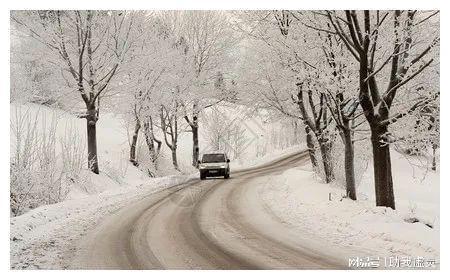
{"x":214,"y":165}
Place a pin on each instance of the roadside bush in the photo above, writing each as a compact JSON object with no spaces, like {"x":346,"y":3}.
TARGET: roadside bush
{"x":41,"y":173}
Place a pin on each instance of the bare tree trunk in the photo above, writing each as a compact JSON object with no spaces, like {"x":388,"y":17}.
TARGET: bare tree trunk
{"x":133,"y":159}
{"x":384,"y":189}
{"x":195,"y":146}
{"x":349,"y":156}
{"x":311,"y":146}
{"x":91,"y":119}
{"x":194,"y":129}
{"x":174,"y":158}
{"x":169,"y":126}
{"x":158,"y":145}
{"x":433,"y":164}
{"x":149,"y":140}
{"x":325,"y":150}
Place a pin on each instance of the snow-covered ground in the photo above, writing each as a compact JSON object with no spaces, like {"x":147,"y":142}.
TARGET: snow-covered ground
{"x":300,"y":200}
{"x":46,"y":237}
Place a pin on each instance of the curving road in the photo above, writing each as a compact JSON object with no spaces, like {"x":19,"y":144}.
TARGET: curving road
{"x":211,"y":224}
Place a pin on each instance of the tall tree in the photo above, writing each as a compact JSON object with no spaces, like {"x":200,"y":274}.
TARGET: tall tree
{"x":149,"y":75}
{"x":169,"y":125}
{"x":318,"y":122}
{"x":293,"y":78}
{"x":339,"y":94}
{"x":90,"y":46}
{"x":207,"y":39}
{"x":409,"y":56}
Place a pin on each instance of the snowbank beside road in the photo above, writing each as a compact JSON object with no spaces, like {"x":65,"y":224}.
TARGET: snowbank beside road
{"x":296,"y":197}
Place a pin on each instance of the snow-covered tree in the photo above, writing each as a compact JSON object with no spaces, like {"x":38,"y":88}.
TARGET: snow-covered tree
{"x":208,"y":40}
{"x":225,"y":133}
{"x":404,"y":40}
{"x":89,"y":47}
{"x":291,"y":81}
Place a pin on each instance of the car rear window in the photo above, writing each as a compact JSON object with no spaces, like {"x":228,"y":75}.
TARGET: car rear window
{"x":213,"y":158}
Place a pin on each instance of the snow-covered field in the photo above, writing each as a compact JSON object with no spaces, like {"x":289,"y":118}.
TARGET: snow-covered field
{"x":46,"y":237}
{"x":300,"y":200}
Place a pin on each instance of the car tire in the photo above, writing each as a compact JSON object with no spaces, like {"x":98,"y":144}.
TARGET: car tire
{"x":202,"y":176}
{"x":227,"y":176}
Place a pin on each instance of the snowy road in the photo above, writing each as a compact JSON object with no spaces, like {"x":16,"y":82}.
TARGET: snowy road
{"x":211,"y":224}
